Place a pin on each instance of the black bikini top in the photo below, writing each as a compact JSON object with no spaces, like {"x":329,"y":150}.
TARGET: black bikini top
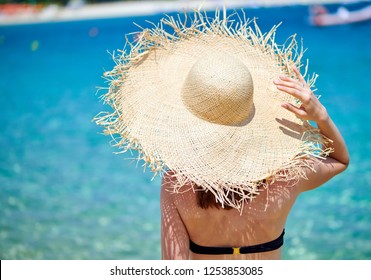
{"x":264,"y":247}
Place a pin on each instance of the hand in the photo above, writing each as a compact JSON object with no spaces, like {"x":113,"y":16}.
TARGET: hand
{"x":311,"y":108}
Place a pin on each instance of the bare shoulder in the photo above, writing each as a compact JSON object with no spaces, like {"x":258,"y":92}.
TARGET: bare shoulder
{"x":171,"y":189}
{"x":167,"y":185}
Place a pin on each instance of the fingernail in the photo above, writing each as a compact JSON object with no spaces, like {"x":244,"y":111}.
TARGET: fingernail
{"x":276,"y":81}
{"x":282,"y":76}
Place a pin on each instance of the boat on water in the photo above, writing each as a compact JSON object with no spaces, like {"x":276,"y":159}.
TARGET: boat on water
{"x":320,"y":16}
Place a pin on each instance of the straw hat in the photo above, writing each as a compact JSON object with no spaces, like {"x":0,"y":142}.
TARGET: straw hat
{"x":201,"y":101}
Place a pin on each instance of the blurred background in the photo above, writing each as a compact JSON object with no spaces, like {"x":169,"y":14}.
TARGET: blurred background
{"x":64,"y":194}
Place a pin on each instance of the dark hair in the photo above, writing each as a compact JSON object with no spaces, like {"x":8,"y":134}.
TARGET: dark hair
{"x":206,"y":199}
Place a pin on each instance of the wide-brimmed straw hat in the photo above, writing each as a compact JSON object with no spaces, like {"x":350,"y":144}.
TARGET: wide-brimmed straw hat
{"x":200,"y":100}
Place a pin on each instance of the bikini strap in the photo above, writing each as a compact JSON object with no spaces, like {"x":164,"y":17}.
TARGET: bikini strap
{"x":264,"y":247}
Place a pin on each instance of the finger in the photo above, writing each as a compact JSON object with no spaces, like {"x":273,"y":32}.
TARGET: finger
{"x":287,"y":79}
{"x":299,"y":76}
{"x":292,"y":91}
{"x":301,"y":84}
{"x":299,"y":112}
{"x":292,"y":84}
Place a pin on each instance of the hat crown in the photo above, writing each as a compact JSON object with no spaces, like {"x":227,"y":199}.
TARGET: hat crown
{"x":219,"y":89}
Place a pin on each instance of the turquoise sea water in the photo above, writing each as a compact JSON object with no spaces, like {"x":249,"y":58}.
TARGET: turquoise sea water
{"x":65,"y":195}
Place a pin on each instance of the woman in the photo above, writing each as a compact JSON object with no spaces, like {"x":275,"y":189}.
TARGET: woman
{"x":199,"y":105}
{"x":190,"y":217}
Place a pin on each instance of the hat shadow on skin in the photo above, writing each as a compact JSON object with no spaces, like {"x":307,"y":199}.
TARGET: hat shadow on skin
{"x":225,"y":224}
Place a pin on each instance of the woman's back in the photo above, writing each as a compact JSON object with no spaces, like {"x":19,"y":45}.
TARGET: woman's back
{"x":262,"y":220}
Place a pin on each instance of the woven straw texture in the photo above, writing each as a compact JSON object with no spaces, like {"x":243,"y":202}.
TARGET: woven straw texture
{"x":166,"y":97}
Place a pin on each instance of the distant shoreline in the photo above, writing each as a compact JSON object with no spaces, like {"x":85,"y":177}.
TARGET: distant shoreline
{"x":54,"y":13}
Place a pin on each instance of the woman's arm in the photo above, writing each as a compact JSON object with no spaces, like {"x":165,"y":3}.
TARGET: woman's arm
{"x":312,"y":109}
{"x":174,"y":235}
